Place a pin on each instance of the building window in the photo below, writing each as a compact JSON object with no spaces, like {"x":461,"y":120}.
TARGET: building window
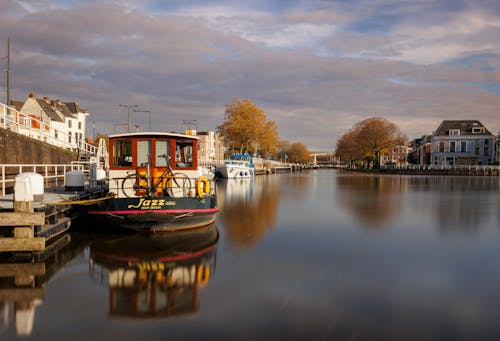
{"x":478,"y":130}
{"x":463,"y":146}
{"x":441,"y":146}
{"x":69,"y":137}
{"x":452,"y":146}
{"x":454,"y":132}
{"x":79,"y":125}
{"x":69,"y":123}
{"x":56,"y":134}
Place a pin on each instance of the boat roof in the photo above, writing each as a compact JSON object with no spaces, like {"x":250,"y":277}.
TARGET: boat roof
{"x":154,"y":134}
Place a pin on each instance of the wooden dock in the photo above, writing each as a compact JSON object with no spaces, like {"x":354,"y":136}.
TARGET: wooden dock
{"x":31,"y":225}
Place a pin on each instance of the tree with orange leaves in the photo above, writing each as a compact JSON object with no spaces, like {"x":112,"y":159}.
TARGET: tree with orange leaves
{"x":368,"y":140}
{"x":246,"y":129}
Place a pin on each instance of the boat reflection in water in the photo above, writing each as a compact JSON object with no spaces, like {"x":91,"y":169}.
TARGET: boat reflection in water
{"x":155,"y":275}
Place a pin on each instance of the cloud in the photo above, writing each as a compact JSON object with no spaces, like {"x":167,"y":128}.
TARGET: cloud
{"x":308,"y":66}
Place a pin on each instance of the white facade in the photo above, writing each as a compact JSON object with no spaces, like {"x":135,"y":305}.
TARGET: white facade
{"x":52,"y":121}
{"x":206,"y":151}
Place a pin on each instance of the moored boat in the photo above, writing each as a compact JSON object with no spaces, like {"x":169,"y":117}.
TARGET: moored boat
{"x":239,"y":166}
{"x":155,"y":184}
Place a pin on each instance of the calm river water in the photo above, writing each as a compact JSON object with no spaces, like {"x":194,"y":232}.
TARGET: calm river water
{"x":312,"y":255}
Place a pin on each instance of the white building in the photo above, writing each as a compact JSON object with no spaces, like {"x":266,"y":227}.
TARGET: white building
{"x":62,"y":123}
{"x":206,"y":149}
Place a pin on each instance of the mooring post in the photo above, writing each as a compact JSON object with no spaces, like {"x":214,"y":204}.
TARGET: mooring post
{"x":23,"y":203}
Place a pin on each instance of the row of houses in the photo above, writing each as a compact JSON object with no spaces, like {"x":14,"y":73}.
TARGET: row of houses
{"x":52,"y":121}
{"x":454,"y":143}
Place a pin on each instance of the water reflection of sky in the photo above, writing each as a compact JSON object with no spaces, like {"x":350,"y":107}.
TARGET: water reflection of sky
{"x":374,"y":258}
{"x":315,"y":255}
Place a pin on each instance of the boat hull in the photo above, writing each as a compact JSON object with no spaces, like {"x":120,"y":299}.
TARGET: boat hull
{"x":235,"y":172}
{"x":156,"y":214}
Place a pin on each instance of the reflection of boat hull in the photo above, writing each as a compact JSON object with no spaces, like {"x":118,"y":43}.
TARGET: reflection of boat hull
{"x":123,"y":250}
{"x":157,"y":214}
{"x":155,"y":275}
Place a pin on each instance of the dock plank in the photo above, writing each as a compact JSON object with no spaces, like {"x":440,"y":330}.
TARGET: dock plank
{"x":21,"y":218}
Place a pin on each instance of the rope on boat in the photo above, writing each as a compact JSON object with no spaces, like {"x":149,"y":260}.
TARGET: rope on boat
{"x":79,"y":202}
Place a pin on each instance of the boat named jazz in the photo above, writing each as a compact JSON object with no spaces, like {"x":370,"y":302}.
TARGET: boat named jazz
{"x":155,"y":184}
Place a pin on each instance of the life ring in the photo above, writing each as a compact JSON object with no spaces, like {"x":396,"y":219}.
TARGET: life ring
{"x":203,"y":275}
{"x":202,"y":186}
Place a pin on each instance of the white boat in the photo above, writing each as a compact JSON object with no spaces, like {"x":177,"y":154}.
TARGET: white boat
{"x":239,"y":166}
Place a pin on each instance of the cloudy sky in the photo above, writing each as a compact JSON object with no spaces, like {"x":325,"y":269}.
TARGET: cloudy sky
{"x":315,"y":67}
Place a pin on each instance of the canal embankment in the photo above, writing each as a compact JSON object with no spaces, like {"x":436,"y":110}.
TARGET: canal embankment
{"x":472,"y":170}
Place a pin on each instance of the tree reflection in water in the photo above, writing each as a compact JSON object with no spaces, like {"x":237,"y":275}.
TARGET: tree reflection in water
{"x":249,"y":208}
{"x":372,"y":199}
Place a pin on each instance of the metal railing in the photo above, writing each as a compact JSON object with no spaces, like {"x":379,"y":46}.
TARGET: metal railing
{"x":53,"y":174}
{"x":23,"y":123}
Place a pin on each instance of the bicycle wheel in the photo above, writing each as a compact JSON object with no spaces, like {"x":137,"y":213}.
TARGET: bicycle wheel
{"x":180,"y":186}
{"x":132,"y":186}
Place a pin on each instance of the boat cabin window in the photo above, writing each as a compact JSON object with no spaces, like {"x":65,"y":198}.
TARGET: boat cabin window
{"x":122,"y":153}
{"x":162,"y":150}
{"x":143,"y":152}
{"x":183,"y":154}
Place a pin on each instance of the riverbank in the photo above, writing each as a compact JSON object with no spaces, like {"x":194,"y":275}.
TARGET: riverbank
{"x":456,"y":171}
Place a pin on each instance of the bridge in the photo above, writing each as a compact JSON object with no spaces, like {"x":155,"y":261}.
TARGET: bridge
{"x":322,"y":159}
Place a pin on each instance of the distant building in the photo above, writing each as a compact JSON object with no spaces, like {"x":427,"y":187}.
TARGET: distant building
{"x":419,"y":152}
{"x":397,"y":157}
{"x":211,"y":148}
{"x":497,"y":159}
{"x":52,"y":121}
{"x":220,"y":148}
{"x":206,"y":151}
{"x":462,"y":142}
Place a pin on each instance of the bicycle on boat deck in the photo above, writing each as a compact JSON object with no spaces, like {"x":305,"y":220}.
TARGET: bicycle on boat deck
{"x":166,"y":183}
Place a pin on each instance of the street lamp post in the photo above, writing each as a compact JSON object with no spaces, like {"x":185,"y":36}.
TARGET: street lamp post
{"x":189,"y":123}
{"x":149,"y":117}
{"x":128,"y":114}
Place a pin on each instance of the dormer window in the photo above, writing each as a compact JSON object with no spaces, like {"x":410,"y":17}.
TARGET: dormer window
{"x":454,"y":132}
{"x":478,"y":130}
